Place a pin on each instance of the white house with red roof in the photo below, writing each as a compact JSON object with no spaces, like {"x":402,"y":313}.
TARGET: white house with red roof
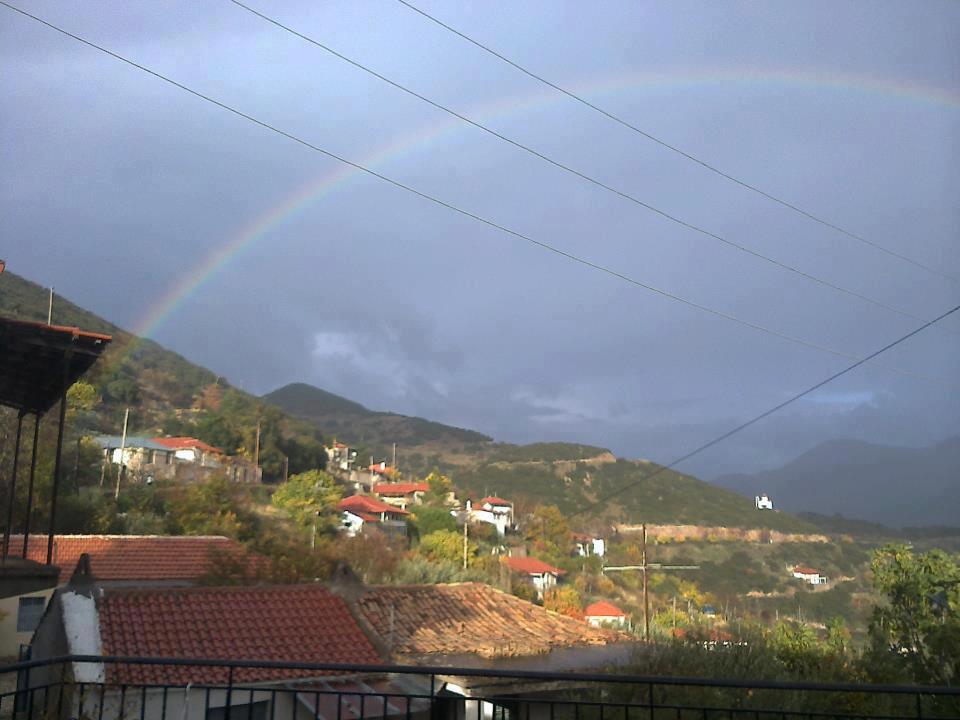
{"x":541,"y":575}
{"x":401,"y":494}
{"x":586,"y":545}
{"x":188,"y":449}
{"x":359,"y":511}
{"x":605,"y":614}
{"x":809,"y":575}
{"x":493,"y":510}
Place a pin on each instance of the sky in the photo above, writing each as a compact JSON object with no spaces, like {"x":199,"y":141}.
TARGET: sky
{"x":269,"y":262}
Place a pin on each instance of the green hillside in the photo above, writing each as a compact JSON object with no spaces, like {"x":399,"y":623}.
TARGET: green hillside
{"x":668,"y":497}
{"x":168,"y":394}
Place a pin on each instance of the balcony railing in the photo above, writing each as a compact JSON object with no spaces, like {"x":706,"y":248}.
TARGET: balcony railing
{"x":123,"y":688}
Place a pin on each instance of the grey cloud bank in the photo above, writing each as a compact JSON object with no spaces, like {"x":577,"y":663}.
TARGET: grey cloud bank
{"x":116,"y":189}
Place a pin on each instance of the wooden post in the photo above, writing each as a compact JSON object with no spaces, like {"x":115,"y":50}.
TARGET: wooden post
{"x":123,"y":446}
{"x":646,"y":594}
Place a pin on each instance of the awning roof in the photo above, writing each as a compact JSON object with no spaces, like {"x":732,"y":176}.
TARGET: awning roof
{"x":32,"y":360}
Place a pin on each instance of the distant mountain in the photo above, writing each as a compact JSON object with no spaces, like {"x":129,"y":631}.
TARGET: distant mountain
{"x":895,"y":486}
{"x":421,"y":442}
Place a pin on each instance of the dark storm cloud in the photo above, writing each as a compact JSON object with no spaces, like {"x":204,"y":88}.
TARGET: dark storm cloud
{"x":116,"y":187}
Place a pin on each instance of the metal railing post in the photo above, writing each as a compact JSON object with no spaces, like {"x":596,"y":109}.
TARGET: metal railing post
{"x":226,"y":710}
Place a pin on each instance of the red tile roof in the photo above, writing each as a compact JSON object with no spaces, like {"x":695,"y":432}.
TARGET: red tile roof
{"x":395,"y":489}
{"x":494,"y":500}
{"x":366,"y":504}
{"x":417,"y":621}
{"x":182,"y":443}
{"x":805,"y":570}
{"x":295,"y":623}
{"x":382,"y":469}
{"x":532,"y":566}
{"x":603,"y":609}
{"x":137,"y":557}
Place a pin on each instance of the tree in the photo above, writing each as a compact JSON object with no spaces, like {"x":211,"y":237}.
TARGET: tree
{"x":431,"y":519}
{"x":548,"y":531}
{"x":444,"y":545}
{"x":306,"y":495}
{"x":920,"y":621}
{"x":439,"y":490}
{"x":564,"y":600}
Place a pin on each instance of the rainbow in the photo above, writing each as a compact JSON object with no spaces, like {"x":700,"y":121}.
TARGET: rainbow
{"x":318,"y":188}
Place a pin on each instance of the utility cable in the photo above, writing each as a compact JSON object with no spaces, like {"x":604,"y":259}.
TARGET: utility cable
{"x":566,"y":168}
{"x":766,"y":413}
{"x":712,"y":168}
{"x":450,"y":206}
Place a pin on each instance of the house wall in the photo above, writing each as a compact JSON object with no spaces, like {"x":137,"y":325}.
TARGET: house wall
{"x":10,"y":639}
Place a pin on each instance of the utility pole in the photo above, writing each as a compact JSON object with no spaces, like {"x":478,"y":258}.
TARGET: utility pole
{"x":645,"y":567}
{"x":256,"y":449}
{"x":394,"y":457}
{"x":286,"y":467}
{"x":123,"y":445}
{"x":466,"y":525}
{"x":50,"y":308}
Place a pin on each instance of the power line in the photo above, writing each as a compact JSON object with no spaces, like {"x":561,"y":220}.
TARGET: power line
{"x":566,"y":168}
{"x":450,"y":206}
{"x":712,"y":168}
{"x":743,"y":426}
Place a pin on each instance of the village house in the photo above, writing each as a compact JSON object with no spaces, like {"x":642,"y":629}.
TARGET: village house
{"x":359,"y":511}
{"x":464,"y":624}
{"x":809,"y":575}
{"x":541,"y":575}
{"x":585,"y":545}
{"x":402,"y":495}
{"x":136,"y":451}
{"x":292,"y":623}
{"x":492,"y":510}
{"x":177,"y":458}
{"x":605,"y":614}
{"x":120,"y":560}
{"x":763,"y":502}
{"x":340,"y":456}
{"x":188,"y":449}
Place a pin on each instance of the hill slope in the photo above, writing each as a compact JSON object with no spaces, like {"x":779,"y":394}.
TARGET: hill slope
{"x":890,"y":485}
{"x":167,"y":394}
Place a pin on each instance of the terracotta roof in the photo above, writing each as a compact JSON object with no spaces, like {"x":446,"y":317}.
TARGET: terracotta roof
{"x":805,"y":570}
{"x":494,"y":500}
{"x":181,"y":443}
{"x":423,"y":620}
{"x":367,"y":504}
{"x":532,"y":566}
{"x":603,"y":609}
{"x":134,"y":557}
{"x":394,"y":489}
{"x":296,"y":623}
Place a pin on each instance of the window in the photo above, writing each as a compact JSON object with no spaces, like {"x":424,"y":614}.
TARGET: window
{"x":29,"y":613}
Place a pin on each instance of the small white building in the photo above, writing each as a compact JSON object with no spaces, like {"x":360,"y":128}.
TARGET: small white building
{"x":809,"y":575}
{"x":604,"y":614}
{"x":587,"y":545}
{"x":763,"y":502}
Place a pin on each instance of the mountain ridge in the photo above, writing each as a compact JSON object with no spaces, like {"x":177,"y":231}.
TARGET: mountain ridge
{"x":892,"y":485}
